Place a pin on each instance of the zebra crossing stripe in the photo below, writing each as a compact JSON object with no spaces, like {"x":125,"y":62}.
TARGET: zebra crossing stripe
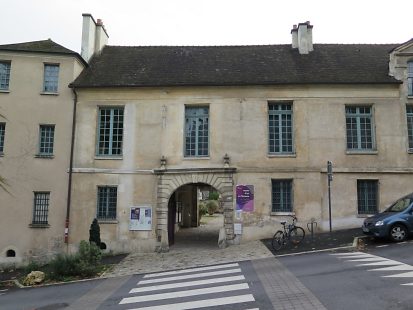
{"x":370,"y":259}
{"x":169,"y":273}
{"x":411,"y":284}
{"x":186,"y":284}
{"x":358,"y":256}
{"x":402,"y":267}
{"x":202,"y":303}
{"x":201,"y":291}
{"x":384,"y":262}
{"x":401,"y":275}
{"x":190,"y":276}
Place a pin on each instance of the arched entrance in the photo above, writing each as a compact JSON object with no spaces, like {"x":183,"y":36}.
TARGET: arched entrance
{"x":169,"y":180}
{"x":195,"y":216}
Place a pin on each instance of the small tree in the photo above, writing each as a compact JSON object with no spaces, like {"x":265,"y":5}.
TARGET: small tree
{"x":94,"y":233}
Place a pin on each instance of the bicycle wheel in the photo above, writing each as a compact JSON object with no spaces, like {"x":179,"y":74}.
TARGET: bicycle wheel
{"x":278,"y":240}
{"x":297,"y":235}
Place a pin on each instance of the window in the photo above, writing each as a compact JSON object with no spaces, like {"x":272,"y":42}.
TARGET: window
{"x":110,"y":131}
{"x":107,"y":200}
{"x":4,"y":75}
{"x":409,"y":114}
{"x":410,"y":78}
{"x":46,"y":140}
{"x":2,"y":134}
{"x":196,"y":131}
{"x":41,"y":207}
{"x":359,"y":124}
{"x":367,"y":192}
{"x":280,"y":128}
{"x":282,"y":196}
{"x":51,"y":78}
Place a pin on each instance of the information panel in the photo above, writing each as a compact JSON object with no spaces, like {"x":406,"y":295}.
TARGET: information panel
{"x":140,"y":218}
{"x":245,"y":198}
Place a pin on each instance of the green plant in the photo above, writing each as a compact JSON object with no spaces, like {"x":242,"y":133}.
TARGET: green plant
{"x":85,"y":263}
{"x":32,"y":266}
{"x":212,"y":206}
{"x":94,"y":233}
{"x":89,"y":254}
{"x":213,"y":196}
{"x":202,"y":209}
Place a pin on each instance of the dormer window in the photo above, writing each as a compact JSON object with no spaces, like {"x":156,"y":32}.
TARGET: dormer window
{"x":410,"y":78}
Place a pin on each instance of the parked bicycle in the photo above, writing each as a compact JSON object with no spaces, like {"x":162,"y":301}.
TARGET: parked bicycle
{"x":292,"y":233}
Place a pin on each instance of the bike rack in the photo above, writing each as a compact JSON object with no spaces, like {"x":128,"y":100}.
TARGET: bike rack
{"x":311,"y":226}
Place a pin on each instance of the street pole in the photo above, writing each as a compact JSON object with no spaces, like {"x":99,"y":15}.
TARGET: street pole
{"x":329,"y":178}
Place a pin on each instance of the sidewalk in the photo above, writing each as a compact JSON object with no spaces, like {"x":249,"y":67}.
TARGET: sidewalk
{"x":321,"y":241}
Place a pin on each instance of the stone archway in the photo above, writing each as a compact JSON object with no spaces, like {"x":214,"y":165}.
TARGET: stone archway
{"x":170,"y":180}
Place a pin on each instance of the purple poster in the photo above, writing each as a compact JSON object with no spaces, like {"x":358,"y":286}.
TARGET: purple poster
{"x":245,"y":197}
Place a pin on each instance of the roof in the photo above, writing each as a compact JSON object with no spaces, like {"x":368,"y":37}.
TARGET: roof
{"x":43,"y":46}
{"x":122,"y":66}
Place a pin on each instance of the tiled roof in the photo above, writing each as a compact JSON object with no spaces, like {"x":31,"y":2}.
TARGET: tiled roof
{"x":122,"y":66}
{"x":44,"y":46}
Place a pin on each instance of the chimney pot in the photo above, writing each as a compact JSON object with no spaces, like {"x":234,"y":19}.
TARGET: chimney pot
{"x":99,"y":22}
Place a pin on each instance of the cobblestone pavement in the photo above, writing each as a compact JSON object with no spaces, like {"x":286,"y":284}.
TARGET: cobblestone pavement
{"x":136,"y":263}
{"x":284,"y":290}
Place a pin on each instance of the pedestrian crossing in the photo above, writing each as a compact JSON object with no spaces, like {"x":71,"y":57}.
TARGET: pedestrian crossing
{"x":220,"y":286}
{"x":387,"y":267}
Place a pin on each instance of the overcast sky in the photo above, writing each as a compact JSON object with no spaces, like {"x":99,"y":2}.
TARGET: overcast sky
{"x":207,"y":22}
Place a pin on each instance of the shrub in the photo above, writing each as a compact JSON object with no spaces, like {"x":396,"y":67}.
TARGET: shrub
{"x":212,"y":206}
{"x":213,"y":196}
{"x":32,"y":266}
{"x":94,"y":233}
{"x":202,"y":209}
{"x":85,"y":263}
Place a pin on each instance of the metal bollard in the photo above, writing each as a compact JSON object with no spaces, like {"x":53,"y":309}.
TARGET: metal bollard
{"x":311,"y":226}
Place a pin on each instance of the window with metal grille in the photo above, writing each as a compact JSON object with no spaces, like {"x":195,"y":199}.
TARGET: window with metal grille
{"x":410,"y":78}
{"x":409,"y":114}
{"x":107,"y":201}
{"x":367,"y":192}
{"x":280,"y":128}
{"x":4,"y":75}
{"x":196,"y":131}
{"x":41,"y":207}
{"x":51,"y":78}
{"x":282,"y":196}
{"x":110,"y":131}
{"x":46,"y":140}
{"x":2,"y":134}
{"x":359,"y":125}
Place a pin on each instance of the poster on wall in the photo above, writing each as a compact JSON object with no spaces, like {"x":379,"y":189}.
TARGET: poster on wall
{"x":140,"y":218}
{"x":245,"y":198}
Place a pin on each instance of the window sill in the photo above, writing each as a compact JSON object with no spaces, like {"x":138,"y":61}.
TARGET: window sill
{"x":5,"y":91}
{"x":367,"y":152}
{"x":45,"y":93}
{"x":409,"y":151}
{"x":108,"y":221}
{"x":364,"y":215}
{"x":39,"y":225}
{"x":282,"y":213}
{"x":197,"y":158}
{"x":1,"y":154}
{"x":44,"y":156}
{"x":282,"y":155}
{"x":97,"y":157}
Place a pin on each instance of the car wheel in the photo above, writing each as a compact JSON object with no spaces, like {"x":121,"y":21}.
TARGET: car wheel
{"x":398,"y":233}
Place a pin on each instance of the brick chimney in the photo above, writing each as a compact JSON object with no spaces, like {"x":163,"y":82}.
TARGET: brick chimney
{"x":94,"y":36}
{"x":302,"y":37}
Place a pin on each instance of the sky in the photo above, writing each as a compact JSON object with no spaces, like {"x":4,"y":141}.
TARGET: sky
{"x":211,"y":22}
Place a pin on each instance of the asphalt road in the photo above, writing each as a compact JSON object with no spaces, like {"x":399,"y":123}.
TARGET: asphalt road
{"x":343,"y":281}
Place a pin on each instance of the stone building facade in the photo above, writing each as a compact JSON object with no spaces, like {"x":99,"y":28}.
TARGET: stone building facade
{"x":35,"y":132}
{"x":152,"y":119}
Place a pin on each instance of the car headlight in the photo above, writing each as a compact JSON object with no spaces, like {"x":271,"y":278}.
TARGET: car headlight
{"x":379,"y":223}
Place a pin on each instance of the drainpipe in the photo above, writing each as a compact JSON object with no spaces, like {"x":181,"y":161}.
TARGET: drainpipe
{"x":69,"y":187}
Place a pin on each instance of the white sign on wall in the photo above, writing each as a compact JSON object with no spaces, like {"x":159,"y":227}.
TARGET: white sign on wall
{"x":140,"y":218}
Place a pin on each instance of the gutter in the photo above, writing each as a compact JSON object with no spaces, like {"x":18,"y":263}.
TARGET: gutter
{"x":69,"y":187}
